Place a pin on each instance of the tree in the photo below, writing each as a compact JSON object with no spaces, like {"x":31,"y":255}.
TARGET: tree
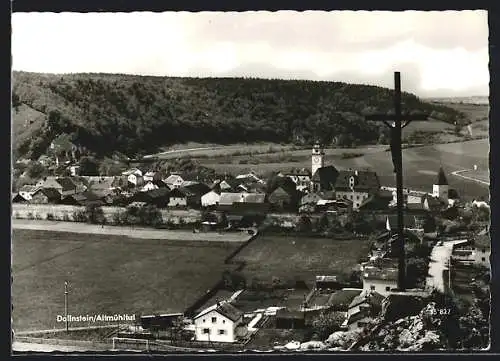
{"x":304,"y":224}
{"x":324,"y":223}
{"x":36,"y":170}
{"x":150,"y":215}
{"x":94,"y":214}
{"x":327,"y":323}
{"x":89,"y":166}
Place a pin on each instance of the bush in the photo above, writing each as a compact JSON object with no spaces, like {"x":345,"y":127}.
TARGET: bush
{"x":38,"y":217}
{"x":17,"y":215}
{"x":30,"y":215}
{"x":66,"y":217}
{"x":50,"y":217}
{"x":79,"y":216}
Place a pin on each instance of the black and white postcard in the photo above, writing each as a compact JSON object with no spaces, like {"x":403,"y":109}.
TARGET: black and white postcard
{"x":229,"y":182}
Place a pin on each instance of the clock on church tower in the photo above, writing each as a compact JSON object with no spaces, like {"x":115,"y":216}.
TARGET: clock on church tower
{"x":316,"y":158}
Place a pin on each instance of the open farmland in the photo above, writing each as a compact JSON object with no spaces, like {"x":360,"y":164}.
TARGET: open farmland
{"x":294,"y":258}
{"x":107,"y":275}
{"x":420,"y":164}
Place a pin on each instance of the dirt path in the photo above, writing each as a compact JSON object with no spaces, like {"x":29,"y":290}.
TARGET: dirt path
{"x":143,"y":233}
{"x":440,"y":256}
{"x":458,"y":173}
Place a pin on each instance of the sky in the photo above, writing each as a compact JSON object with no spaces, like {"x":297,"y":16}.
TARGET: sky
{"x":438,"y":53}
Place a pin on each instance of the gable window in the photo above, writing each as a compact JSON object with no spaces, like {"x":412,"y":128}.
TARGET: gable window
{"x":222,"y":332}
{"x":203,"y":320}
{"x":223,"y":321}
{"x":214,"y":319}
{"x":206,"y":331}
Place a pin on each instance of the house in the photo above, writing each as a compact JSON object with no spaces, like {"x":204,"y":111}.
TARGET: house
{"x":85,"y":198}
{"x":482,"y":250}
{"x":301,"y":178}
{"x":68,"y":187}
{"x":74,"y":170}
{"x":415,"y":197}
{"x":282,"y":199}
{"x":149,"y":186}
{"x":228,"y":198}
{"x":130,"y":171}
{"x":46,"y":195}
{"x":324,"y":179}
{"x":477,"y":252}
{"x":341,"y":299}
{"x":254,"y":197}
{"x":177,"y":198}
{"x":249,"y":178}
{"x":311,"y":199}
{"x":432,"y":204}
{"x":157,"y":197}
{"x":21,"y":198}
{"x":174,"y":181}
{"x":376,"y":202}
{"x":100,"y":183}
{"x":27,"y":191}
{"x":211,"y":198}
{"x":363,"y":308}
{"x":218,"y":323}
{"x":356,"y":186}
{"x":380,"y":279}
{"x":149,"y":176}
{"x":135,"y":180}
{"x":287,"y":319}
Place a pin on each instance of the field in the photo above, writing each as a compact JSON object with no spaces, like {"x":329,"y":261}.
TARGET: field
{"x":482,"y":175}
{"x":420,"y":164}
{"x":293,"y":258}
{"x":107,"y":275}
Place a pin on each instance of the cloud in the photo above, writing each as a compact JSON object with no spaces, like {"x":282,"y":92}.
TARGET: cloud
{"x":437,"y":51}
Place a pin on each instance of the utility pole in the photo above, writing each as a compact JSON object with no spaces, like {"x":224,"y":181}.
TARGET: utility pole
{"x":66,"y":304}
{"x":397,"y":125}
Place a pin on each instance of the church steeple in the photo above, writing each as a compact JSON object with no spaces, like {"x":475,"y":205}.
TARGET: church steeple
{"x":317,"y":157}
{"x":442,"y":177}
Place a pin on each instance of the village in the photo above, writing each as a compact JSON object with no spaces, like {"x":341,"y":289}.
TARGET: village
{"x":441,"y":231}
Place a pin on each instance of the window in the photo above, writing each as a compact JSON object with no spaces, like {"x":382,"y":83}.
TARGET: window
{"x":214,"y":319}
{"x":223,"y":321}
{"x":357,"y":197}
{"x":203,"y":320}
{"x":483,"y":259}
{"x":372,"y":288}
{"x":206,"y":331}
{"x":483,"y":250}
{"x":222,"y":332}
{"x":387,"y":288}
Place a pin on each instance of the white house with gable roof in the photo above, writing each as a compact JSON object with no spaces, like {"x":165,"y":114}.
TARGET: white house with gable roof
{"x":218,"y":323}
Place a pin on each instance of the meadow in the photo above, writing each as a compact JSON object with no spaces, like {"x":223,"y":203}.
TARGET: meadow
{"x":299,"y":258}
{"x":107,"y":275}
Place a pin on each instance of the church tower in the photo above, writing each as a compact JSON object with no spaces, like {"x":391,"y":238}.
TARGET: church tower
{"x":440,"y":189}
{"x":317,"y":158}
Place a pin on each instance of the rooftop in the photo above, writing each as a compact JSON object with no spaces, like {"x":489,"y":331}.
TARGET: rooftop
{"x":225,"y":309}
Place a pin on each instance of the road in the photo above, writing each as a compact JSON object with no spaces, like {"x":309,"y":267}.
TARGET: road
{"x":458,"y":173}
{"x":179,"y":151}
{"x":136,"y":232}
{"x":440,"y":256}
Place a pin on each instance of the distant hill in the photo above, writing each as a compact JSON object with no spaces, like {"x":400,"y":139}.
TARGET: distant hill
{"x":104,"y":113}
{"x":479,"y":100}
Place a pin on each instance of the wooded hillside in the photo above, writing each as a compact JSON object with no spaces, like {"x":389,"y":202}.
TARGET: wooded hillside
{"x":135,"y":114}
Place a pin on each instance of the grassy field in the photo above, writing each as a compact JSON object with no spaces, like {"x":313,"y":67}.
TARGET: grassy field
{"x":482,"y":175}
{"x":420,"y":164}
{"x":290,"y":258}
{"x":107,"y":275}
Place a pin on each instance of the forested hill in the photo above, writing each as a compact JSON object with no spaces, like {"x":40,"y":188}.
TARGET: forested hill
{"x":137,"y":114}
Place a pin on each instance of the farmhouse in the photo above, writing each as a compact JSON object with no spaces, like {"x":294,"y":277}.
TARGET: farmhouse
{"x":356,"y":186}
{"x":411,"y":222}
{"x":282,"y":198}
{"x":174,"y":181}
{"x":477,"y":252}
{"x":218,"y":323}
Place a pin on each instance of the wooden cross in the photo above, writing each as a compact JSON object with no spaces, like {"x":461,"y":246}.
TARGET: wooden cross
{"x":399,"y":121}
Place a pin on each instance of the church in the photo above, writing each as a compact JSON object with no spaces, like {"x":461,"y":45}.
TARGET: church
{"x":353,"y":185}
